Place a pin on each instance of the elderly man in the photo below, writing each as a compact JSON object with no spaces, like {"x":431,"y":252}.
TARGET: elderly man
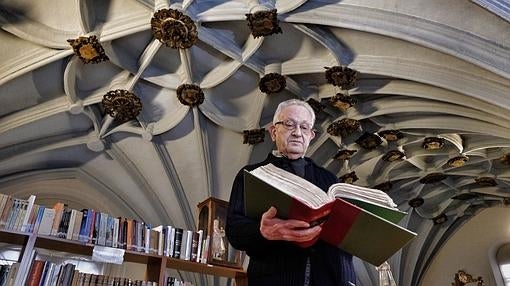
{"x":269,"y":242}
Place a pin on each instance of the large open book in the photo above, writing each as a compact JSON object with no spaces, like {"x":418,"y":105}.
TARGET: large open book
{"x":361,"y":221}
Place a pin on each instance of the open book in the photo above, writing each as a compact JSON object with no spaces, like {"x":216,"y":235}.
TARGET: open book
{"x":361,"y":221}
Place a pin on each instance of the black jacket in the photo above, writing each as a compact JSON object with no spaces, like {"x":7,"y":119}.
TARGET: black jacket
{"x":283,"y":263}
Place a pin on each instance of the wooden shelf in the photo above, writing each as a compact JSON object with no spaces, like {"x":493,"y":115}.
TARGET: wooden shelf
{"x":14,"y":237}
{"x":203,"y":268}
{"x":78,"y":247}
{"x":156,"y":263}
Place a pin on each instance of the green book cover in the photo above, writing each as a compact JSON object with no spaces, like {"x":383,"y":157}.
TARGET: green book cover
{"x":391,"y":214}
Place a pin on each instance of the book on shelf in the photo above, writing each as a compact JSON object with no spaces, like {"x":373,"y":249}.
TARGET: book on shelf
{"x":11,"y":274}
{"x":361,"y":221}
{"x":178,"y":240}
{"x":89,"y":226}
{"x":35,"y":273}
{"x":28,"y":212}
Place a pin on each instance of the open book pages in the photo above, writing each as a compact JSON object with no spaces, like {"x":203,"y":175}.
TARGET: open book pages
{"x":313,"y":196}
{"x":348,"y":191}
{"x":293,"y":185}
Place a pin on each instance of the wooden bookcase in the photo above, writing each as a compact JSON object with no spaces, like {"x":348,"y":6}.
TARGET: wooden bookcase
{"x":156,"y":264}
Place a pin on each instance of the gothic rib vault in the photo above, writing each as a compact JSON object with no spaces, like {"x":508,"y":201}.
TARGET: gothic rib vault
{"x":427,"y":71}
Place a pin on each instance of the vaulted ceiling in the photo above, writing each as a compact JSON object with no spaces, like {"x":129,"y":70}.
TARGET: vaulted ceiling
{"x":432,"y":97}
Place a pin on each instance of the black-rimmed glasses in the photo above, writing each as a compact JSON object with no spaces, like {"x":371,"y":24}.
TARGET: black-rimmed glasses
{"x":291,"y":125}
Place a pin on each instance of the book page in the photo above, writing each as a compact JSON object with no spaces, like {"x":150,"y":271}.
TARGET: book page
{"x":293,"y":185}
{"x":348,"y":191}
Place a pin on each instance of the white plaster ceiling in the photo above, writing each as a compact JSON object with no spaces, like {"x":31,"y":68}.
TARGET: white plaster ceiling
{"x":428,"y":69}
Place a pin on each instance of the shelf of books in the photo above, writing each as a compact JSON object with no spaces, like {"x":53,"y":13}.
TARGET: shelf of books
{"x":102,"y":237}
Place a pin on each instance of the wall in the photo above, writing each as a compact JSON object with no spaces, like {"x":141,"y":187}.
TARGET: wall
{"x":469,"y":248}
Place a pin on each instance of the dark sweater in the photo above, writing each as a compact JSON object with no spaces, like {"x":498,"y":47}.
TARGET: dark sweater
{"x":283,"y":263}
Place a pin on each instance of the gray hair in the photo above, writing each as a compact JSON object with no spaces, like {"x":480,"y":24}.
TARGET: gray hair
{"x":291,"y":102}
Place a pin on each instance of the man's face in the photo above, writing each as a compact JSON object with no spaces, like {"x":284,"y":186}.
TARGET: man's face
{"x":292,"y":141}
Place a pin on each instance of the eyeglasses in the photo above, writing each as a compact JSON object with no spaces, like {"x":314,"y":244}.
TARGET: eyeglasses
{"x":291,"y":125}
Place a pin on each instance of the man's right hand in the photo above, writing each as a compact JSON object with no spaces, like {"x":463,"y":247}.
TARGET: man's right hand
{"x":273,"y":228}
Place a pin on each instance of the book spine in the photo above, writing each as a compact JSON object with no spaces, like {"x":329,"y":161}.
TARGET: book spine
{"x":115,"y":233}
{"x":109,"y":231}
{"x":37,"y":223}
{"x":200,"y":245}
{"x":30,"y":205}
{"x":59,"y":208}
{"x":19,"y":216}
{"x":83,"y":235}
{"x":103,"y":222}
{"x":161,"y":242}
{"x":47,"y":221}
{"x":95,"y":227}
{"x":148,"y":239}
{"x":171,"y":242}
{"x":33,"y":218}
{"x":35,"y":273}
{"x":6,"y":211}
{"x":177,"y":242}
{"x":194,"y":246}
{"x":91,"y":226}
{"x":13,"y":213}
{"x":77,"y":225}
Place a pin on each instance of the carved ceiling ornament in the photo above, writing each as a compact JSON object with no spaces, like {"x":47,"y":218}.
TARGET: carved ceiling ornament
{"x":433,"y":143}
{"x":263,"y":23}
{"x":272,"y":83}
{"x":369,"y":140}
{"x":440,"y":219}
{"x":344,"y":154}
{"x":458,"y":161}
{"x":342,"y":102}
{"x":190,"y":94}
{"x":88,"y":49}
{"x":174,"y":29}
{"x":462,"y":278}
{"x":254,"y":136}
{"x":486,"y":181}
{"x":393,"y":155}
{"x":391,"y":135}
{"x":416,"y":202}
{"x":342,"y":76}
{"x":344,"y":127}
{"x":433,"y":178}
{"x":316,"y":106}
{"x":505,"y":159}
{"x":348,"y":178}
{"x":122,"y":105}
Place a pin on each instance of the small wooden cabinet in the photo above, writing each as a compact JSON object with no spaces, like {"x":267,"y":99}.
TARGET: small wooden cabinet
{"x":212,"y":218}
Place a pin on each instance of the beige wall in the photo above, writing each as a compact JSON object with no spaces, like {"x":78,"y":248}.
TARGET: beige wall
{"x":469,"y":248}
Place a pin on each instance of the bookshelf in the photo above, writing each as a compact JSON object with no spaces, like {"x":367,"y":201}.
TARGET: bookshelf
{"x":61,"y":229}
{"x":156,"y":264}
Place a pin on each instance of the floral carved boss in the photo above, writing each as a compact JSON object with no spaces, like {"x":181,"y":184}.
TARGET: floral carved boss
{"x":88,"y":49}
{"x":263,"y":23}
{"x":122,"y":105}
{"x":342,"y":76}
{"x":272,"y":83}
{"x":174,"y":29}
{"x":190,"y":94}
